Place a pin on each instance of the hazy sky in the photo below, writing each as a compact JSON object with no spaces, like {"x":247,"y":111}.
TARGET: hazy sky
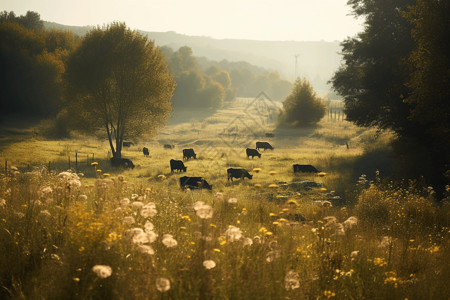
{"x":300,"y":20}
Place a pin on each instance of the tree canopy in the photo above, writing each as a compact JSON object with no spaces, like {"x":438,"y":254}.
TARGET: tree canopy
{"x":119,"y":82}
{"x":302,"y":107}
{"x":395,"y":75}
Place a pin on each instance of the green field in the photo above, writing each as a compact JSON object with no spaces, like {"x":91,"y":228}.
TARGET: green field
{"x":100,"y":233}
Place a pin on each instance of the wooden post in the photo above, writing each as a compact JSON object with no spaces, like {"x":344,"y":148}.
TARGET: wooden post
{"x":93,"y":157}
{"x":69,"y":160}
{"x":6,"y":167}
{"x":87,"y":160}
{"x":76,"y":159}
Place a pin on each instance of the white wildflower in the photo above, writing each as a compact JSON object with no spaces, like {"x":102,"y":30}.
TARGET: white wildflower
{"x":219,"y":196}
{"x":291,"y":281}
{"x":247,"y":242}
{"x":137,"y":204}
{"x":140,"y":238}
{"x":128,"y":220}
{"x":198,"y":205}
{"x":83,"y":197}
{"x":385,"y":241}
{"x":205,"y":211}
{"x":148,"y":210}
{"x":272,"y":255}
{"x":162,"y":284}
{"x":233,"y":233}
{"x":354,"y":254}
{"x":125,"y":202}
{"x":350,"y":222}
{"x":148,"y":226}
{"x":209,"y":264}
{"x":145,"y":249}
{"x":134,"y":196}
{"x":232,"y":200}
{"x":169,"y":241}
{"x":102,"y":271}
{"x":152,"y":236}
{"x":2,"y":202}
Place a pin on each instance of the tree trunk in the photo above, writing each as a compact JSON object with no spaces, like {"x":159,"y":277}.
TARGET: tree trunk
{"x":110,"y":140}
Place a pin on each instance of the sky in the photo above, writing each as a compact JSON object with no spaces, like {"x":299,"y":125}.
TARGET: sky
{"x":274,"y":20}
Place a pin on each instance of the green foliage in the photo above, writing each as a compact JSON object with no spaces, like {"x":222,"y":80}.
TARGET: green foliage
{"x":302,"y":107}
{"x":395,"y":76}
{"x":195,"y":89}
{"x":31,"y":20}
{"x":119,"y":81}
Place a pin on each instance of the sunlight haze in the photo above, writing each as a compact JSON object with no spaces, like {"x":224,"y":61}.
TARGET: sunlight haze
{"x":297,"y":20}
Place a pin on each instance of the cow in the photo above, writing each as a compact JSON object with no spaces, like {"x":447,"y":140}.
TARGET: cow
{"x":252,"y":153}
{"x":263,"y":145}
{"x":238,"y":173}
{"x":122,"y":162}
{"x":127,"y":144}
{"x":145,"y":151}
{"x":177,"y":165}
{"x":305,"y":169}
{"x":194,"y":183}
{"x":169,"y":146}
{"x":188,"y":154}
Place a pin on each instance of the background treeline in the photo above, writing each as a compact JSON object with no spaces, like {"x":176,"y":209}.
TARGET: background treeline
{"x":31,"y":65}
{"x":33,"y":62}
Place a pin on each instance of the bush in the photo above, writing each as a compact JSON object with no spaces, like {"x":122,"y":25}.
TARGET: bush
{"x":302,"y":107}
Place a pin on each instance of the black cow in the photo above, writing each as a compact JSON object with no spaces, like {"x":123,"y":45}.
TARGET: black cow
{"x":177,"y":165}
{"x":305,"y":168}
{"x":263,"y":145}
{"x":194,"y":183}
{"x":238,"y":173}
{"x":122,"y":162}
{"x":252,"y":153}
{"x":146,"y":152}
{"x":127,"y":144}
{"x":169,"y":146}
{"x":189,"y":153}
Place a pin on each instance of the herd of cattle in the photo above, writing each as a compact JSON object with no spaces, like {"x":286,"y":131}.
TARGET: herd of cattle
{"x":200,"y":182}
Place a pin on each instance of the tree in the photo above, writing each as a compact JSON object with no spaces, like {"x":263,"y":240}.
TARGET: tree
{"x":302,"y":107}
{"x":395,"y":76}
{"x":119,"y":81}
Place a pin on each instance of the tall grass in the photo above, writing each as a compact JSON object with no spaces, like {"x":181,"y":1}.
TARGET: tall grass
{"x":55,"y":228}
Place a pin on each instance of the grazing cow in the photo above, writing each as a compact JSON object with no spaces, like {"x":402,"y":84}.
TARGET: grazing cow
{"x":169,"y":146}
{"x":194,"y":183}
{"x":177,"y":165}
{"x":122,"y":162}
{"x":127,"y":144}
{"x":252,"y":153}
{"x":145,"y":150}
{"x":188,"y":154}
{"x":263,"y":145}
{"x":305,"y":169}
{"x":238,"y":173}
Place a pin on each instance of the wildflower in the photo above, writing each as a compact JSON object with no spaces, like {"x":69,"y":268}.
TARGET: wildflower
{"x":83,"y":197}
{"x":275,"y":223}
{"x":140,"y":237}
{"x":272,"y":255}
{"x":128,"y":220}
{"x":385,"y":241}
{"x":151,"y":236}
{"x":273,"y":215}
{"x":198,"y":205}
{"x":379,"y":261}
{"x":148,"y":210}
{"x":257,"y":239}
{"x":247,"y":242}
{"x":232,"y":200}
{"x":291,"y":280}
{"x":233,"y":233}
{"x":263,"y":229}
{"x":216,"y":250}
{"x":321,"y":174}
{"x":292,"y":201}
{"x":169,"y":241}
{"x":268,"y":233}
{"x":354,"y":254}
{"x":162,"y":284}
{"x":46,"y":191}
{"x":161,"y":177}
{"x":44,"y":214}
{"x":273,"y":172}
{"x":99,"y":171}
{"x":102,"y":271}
{"x":329,"y":294}
{"x":273,"y":185}
{"x":125,"y":202}
{"x":350,"y":222}
{"x":219,"y":196}
{"x":323,"y":189}
{"x":145,"y":249}
{"x":76,"y":279}
{"x":2,"y":202}
{"x":257,"y":185}
{"x":204,"y":211}
{"x":209,"y":264}
{"x":222,"y":240}
{"x":137,"y":205}
{"x":94,"y":163}
{"x":327,"y":204}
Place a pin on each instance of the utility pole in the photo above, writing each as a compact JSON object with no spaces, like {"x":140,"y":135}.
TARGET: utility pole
{"x":295,"y":73}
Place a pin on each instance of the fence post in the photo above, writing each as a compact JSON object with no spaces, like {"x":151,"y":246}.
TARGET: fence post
{"x":93,"y":157}
{"x":69,"y":161}
{"x":76,"y":159}
{"x":6,"y":167}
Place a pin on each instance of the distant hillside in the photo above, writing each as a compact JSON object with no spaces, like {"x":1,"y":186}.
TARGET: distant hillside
{"x":316,"y":61}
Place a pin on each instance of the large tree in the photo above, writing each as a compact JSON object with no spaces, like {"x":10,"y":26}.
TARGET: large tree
{"x":395,"y":76}
{"x":119,"y":81}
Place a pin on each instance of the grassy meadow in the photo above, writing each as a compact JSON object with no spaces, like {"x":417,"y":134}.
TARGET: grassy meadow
{"x":94,"y":232}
